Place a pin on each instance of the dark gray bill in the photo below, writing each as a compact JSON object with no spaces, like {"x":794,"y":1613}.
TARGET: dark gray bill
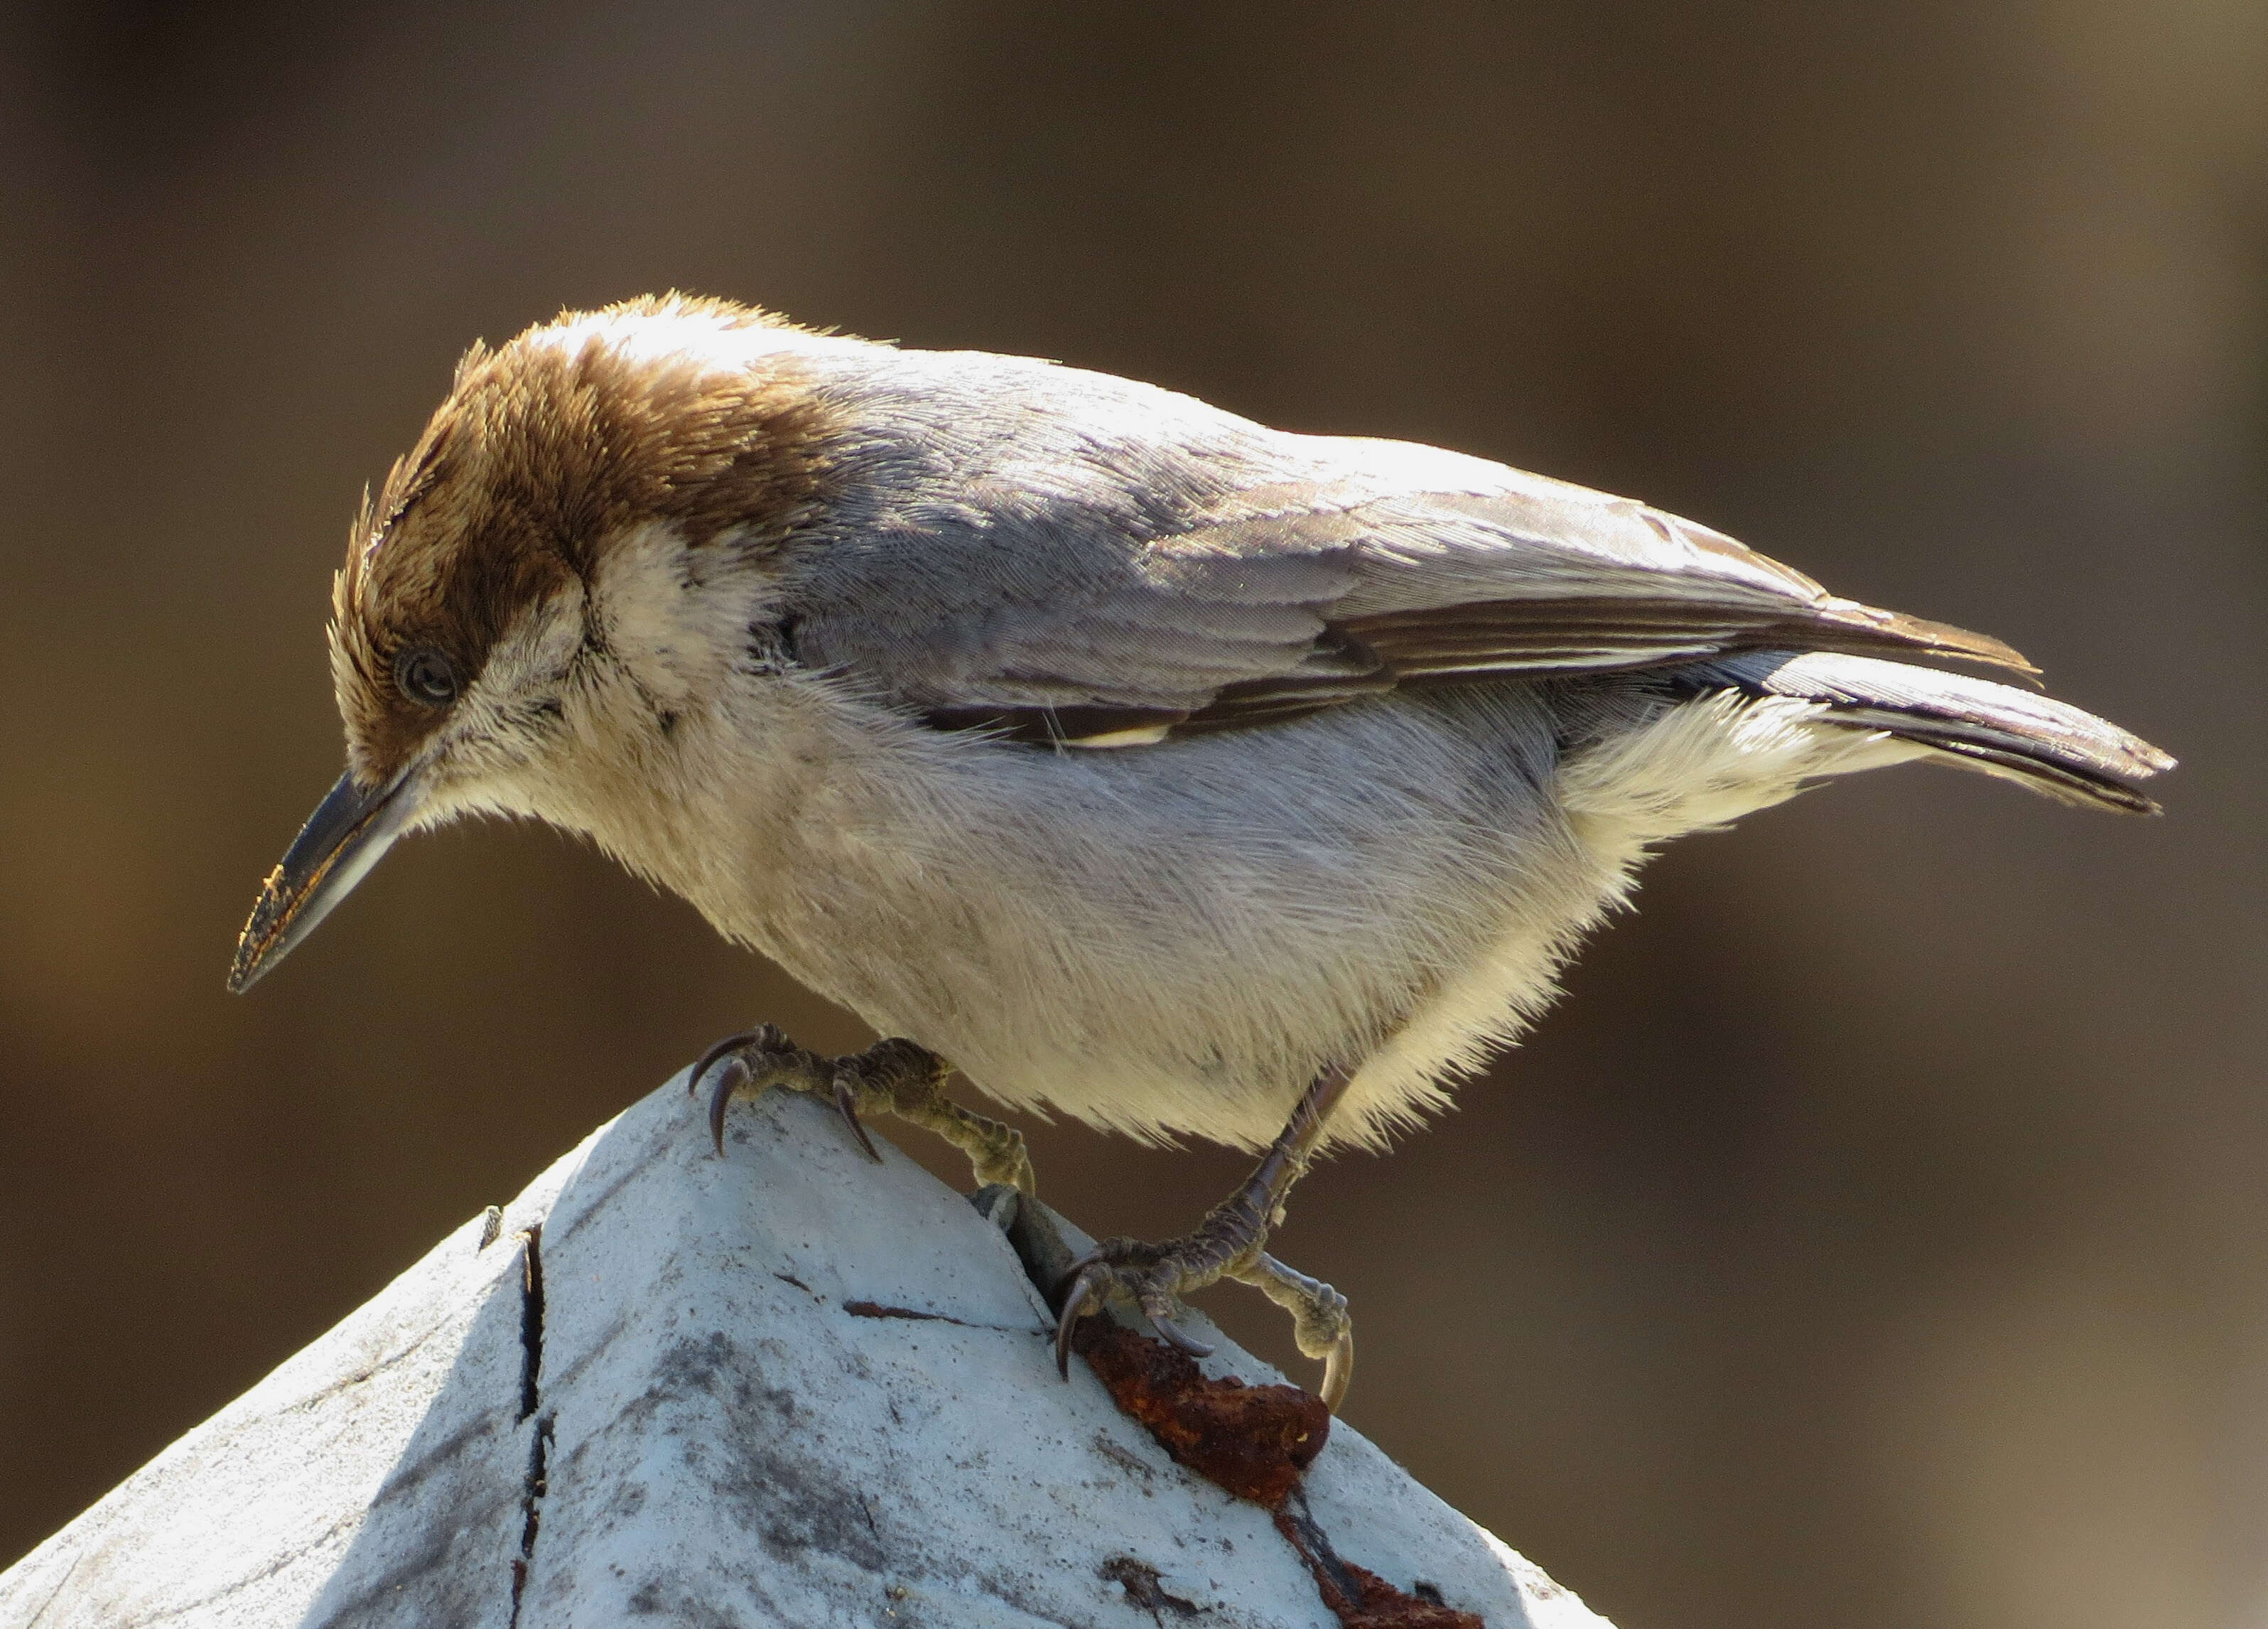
{"x":348,"y":833}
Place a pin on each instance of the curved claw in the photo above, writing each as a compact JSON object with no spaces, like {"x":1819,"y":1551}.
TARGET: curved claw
{"x":1175,"y":1335}
{"x":1338,"y":1372}
{"x":728,"y":1081}
{"x":730,"y":1043}
{"x":1082,"y":1275}
{"x":1085,"y":1276}
{"x":846,"y":1104}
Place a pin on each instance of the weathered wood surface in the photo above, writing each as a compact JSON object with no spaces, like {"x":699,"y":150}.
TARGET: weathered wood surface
{"x":789,"y":1387}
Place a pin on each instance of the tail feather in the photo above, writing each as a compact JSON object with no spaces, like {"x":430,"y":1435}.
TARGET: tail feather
{"x":2046,"y":745}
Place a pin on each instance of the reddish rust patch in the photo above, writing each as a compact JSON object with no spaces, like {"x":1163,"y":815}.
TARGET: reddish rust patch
{"x":1254,"y":1440}
{"x":1360,"y":1598}
{"x":1257,"y":1441}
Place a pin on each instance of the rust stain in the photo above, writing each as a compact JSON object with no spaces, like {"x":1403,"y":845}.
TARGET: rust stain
{"x":1358,"y":1597}
{"x":1254,"y":1441}
{"x":1257,"y":1441}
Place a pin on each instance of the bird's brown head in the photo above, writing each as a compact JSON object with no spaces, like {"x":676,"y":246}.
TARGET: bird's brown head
{"x":472,"y":621}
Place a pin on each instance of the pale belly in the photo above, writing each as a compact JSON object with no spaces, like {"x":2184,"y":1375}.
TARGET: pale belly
{"x":1176,"y":939}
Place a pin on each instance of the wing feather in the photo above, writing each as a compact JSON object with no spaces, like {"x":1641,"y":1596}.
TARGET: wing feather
{"x":1118,"y":587}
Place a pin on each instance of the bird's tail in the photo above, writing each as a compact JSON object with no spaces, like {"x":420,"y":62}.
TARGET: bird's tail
{"x":2042,"y":744}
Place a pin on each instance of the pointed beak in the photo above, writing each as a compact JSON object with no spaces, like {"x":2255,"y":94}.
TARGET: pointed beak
{"x":348,"y":833}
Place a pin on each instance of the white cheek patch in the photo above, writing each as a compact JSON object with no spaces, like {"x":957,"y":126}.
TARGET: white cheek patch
{"x":531,"y":658}
{"x":644,"y":580}
{"x":596,"y":675}
{"x":663,"y":608}
{"x":476,"y":764}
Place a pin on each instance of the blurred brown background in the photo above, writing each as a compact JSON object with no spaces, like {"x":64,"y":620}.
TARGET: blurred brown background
{"x":1877,"y":1233}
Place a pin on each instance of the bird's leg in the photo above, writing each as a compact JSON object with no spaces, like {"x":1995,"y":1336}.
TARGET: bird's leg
{"x":1227,"y":1244}
{"x":890,"y":1077}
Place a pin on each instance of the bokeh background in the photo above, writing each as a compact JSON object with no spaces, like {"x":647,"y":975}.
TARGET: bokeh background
{"x":1877,"y":1235}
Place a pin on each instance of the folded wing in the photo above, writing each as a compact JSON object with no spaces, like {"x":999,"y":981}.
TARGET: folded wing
{"x":1096,"y":612}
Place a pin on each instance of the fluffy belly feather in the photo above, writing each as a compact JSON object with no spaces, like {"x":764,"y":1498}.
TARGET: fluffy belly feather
{"x":1181,"y":954}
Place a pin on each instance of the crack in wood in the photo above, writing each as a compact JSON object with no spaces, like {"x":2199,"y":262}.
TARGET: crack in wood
{"x":531,"y":1398}
{"x":875,"y":1310}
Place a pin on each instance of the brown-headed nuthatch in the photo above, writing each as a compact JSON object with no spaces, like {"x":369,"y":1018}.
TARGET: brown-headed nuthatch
{"x":1180,"y":774}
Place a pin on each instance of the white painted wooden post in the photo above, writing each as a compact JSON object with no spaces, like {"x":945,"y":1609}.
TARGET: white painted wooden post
{"x":785,"y":1388}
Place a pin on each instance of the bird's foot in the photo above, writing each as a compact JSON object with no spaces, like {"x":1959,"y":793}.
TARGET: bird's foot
{"x":890,"y":1077}
{"x":1155,"y":1277}
{"x":1321,"y":1321}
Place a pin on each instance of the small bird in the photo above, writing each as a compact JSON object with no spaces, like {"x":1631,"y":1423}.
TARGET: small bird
{"x":1184,"y":776}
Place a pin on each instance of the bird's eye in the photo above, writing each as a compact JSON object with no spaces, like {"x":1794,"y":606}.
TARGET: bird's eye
{"x":426,"y":676}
